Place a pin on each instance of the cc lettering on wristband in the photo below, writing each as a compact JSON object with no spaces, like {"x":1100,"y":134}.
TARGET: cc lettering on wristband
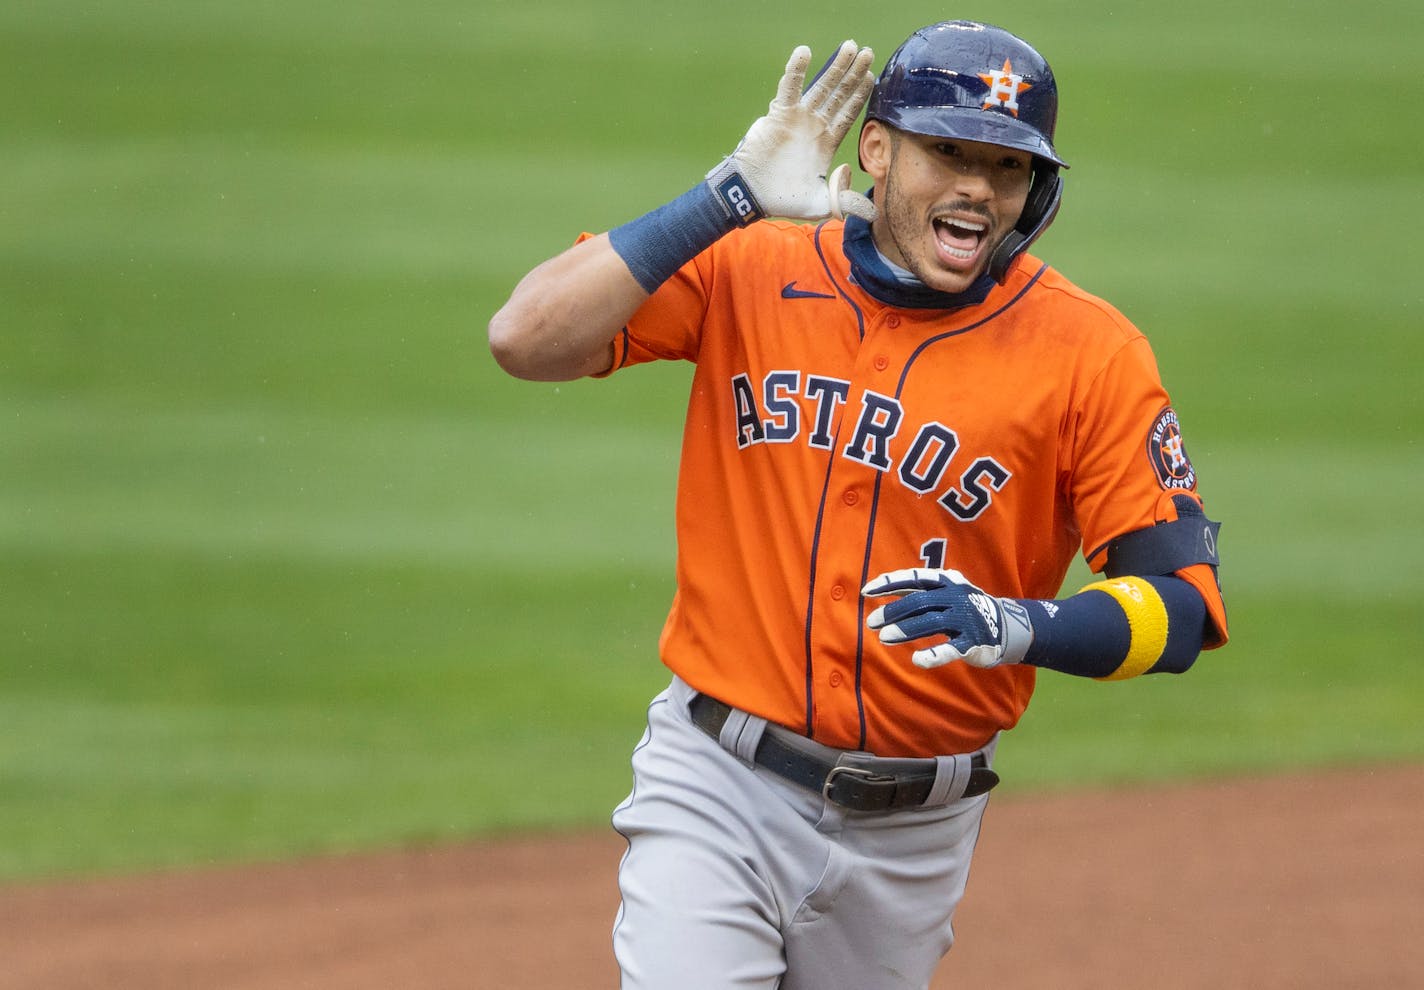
{"x":736,"y":196}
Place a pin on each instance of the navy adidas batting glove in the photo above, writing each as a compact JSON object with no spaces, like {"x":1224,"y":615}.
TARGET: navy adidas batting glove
{"x":982,"y":630}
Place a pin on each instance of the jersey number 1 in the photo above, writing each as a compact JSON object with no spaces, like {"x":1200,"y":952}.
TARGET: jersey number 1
{"x":932,"y":553}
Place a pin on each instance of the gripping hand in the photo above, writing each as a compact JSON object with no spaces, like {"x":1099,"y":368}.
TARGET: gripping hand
{"x":784,"y":160}
{"x":983,"y":631}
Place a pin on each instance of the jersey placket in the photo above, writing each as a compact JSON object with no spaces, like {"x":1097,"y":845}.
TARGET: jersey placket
{"x":860,"y":456}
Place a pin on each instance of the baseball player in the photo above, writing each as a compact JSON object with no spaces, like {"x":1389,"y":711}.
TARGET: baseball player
{"x":902,"y":427}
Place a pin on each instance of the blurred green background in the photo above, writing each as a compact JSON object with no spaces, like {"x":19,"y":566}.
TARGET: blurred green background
{"x":288,"y":566}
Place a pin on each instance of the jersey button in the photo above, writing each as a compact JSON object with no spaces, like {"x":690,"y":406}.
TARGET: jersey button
{"x":838,"y":592}
{"x":882,"y":362}
{"x":836,"y":678}
{"x":850,"y":497}
{"x":892,"y":321}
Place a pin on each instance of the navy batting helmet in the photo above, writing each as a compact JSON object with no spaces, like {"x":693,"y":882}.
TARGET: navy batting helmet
{"x":977,"y":82}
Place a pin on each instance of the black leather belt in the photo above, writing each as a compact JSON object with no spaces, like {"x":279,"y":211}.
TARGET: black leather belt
{"x":855,"y":781}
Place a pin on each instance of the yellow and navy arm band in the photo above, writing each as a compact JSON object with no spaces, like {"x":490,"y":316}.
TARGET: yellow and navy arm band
{"x":1120,"y":628}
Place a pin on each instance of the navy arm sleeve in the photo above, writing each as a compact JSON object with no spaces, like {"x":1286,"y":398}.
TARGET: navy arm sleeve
{"x":1119,"y":628}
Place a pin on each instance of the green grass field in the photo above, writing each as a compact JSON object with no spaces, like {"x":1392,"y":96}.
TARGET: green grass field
{"x":288,"y":566}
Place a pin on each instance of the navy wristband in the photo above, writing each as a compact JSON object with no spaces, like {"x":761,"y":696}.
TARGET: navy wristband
{"x":736,"y":196}
{"x":657,"y":244}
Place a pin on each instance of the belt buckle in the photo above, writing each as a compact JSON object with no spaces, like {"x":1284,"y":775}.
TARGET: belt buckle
{"x":838,"y":769}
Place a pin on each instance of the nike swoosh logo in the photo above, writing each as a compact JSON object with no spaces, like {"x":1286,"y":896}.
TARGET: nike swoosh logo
{"x":789,"y":291}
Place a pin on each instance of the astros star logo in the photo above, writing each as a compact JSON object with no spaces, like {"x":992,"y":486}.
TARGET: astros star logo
{"x":1174,"y":452}
{"x":1004,"y":88}
{"x":1168,"y":453}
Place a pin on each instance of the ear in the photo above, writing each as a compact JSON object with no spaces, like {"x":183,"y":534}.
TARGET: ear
{"x":875,"y":150}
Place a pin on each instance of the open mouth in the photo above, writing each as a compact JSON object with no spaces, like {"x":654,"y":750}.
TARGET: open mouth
{"x":959,"y":238}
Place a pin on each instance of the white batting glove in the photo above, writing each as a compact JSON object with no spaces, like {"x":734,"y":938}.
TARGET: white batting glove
{"x":983,"y":631}
{"x":785,"y":158}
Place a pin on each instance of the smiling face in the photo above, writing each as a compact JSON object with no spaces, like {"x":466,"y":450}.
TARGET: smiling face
{"x":944,"y":203}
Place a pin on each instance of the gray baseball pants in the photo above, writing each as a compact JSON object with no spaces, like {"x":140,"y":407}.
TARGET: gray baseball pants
{"x":737,"y":878}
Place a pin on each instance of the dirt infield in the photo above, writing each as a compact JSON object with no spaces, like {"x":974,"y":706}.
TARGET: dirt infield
{"x":1290,"y":882}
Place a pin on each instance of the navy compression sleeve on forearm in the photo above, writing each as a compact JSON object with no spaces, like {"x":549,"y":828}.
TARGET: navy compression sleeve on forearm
{"x":1119,"y":628}
{"x":659,"y":243}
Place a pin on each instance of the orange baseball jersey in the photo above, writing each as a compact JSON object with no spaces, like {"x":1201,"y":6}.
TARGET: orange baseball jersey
{"x":831,"y":437}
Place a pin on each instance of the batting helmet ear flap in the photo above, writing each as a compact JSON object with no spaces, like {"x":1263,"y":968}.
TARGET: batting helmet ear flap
{"x":1044,"y":196}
